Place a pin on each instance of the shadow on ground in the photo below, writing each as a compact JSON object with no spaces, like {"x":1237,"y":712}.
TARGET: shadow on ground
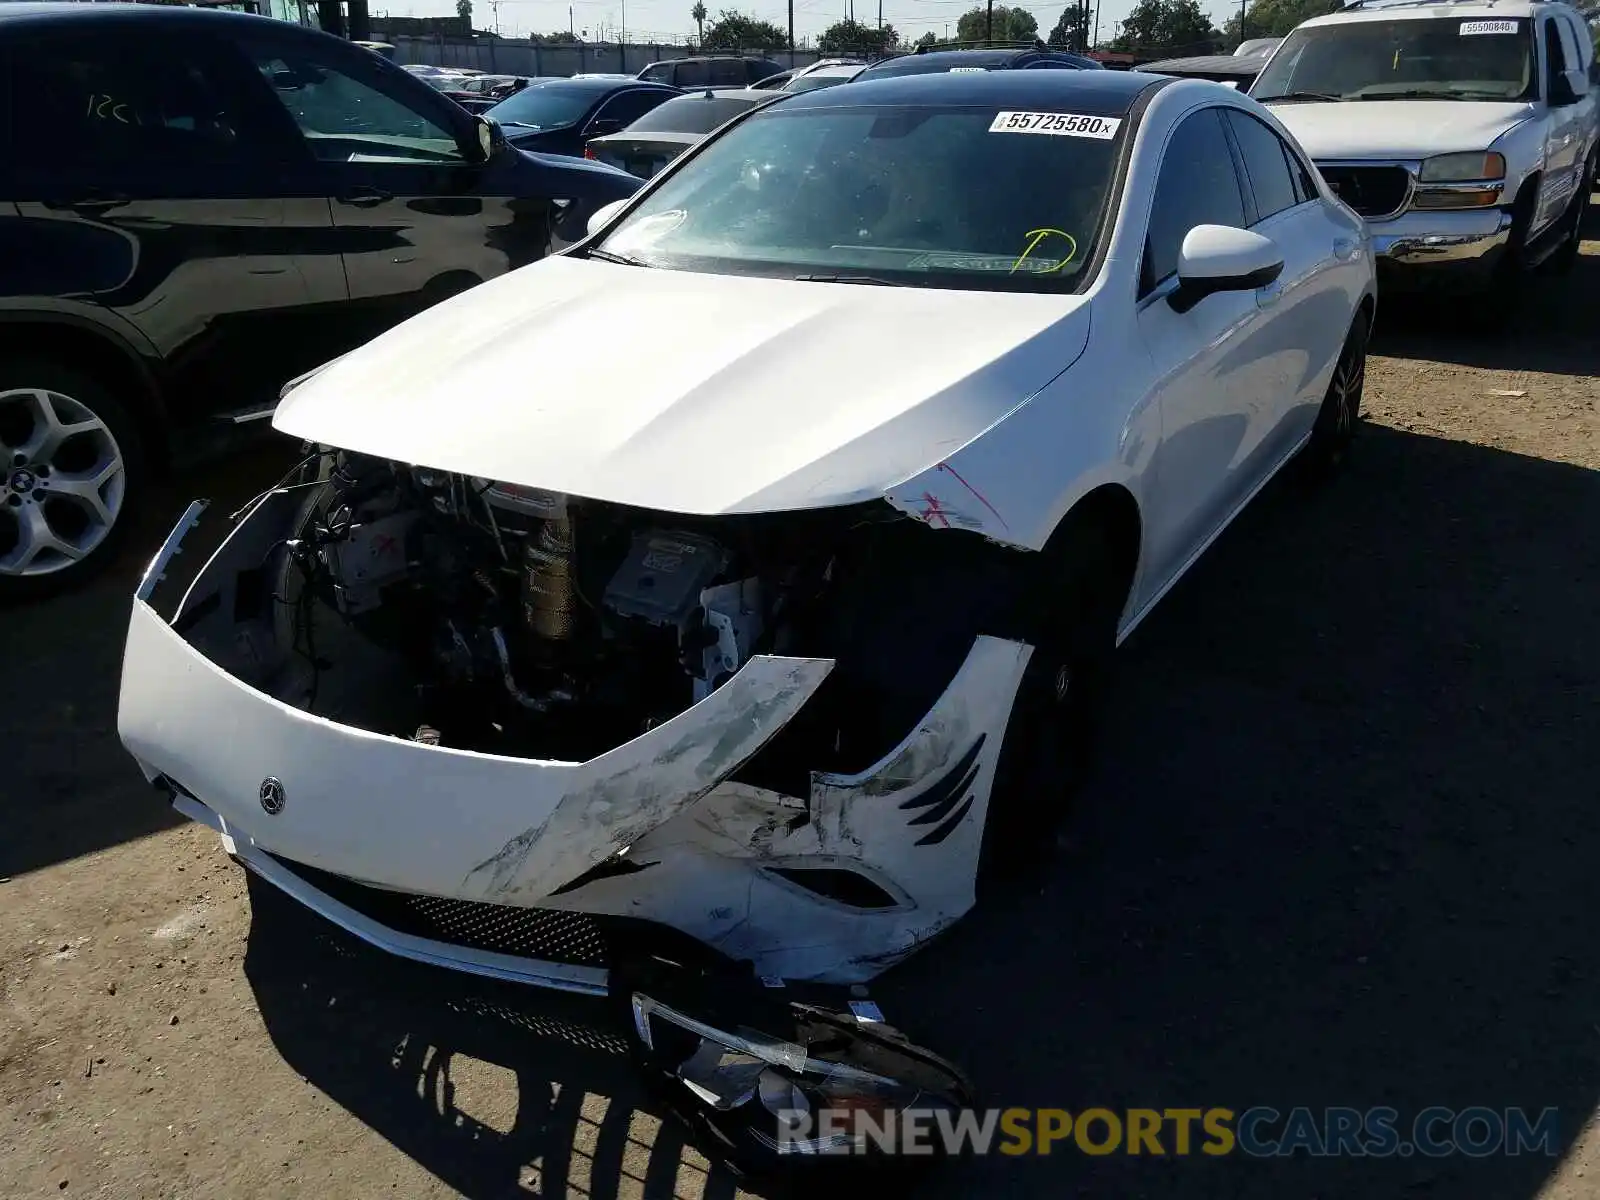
{"x":1558,"y":311}
{"x":70,"y":788}
{"x":1343,"y":854}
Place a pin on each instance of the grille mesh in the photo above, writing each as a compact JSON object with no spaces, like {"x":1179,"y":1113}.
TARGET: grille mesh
{"x":546,"y":934}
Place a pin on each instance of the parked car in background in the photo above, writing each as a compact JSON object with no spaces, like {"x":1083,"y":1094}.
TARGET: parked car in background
{"x":1257,"y":47}
{"x":659,"y":136}
{"x":1032,"y":56}
{"x":724,"y":70}
{"x":1464,"y":133}
{"x":602,"y":75}
{"x":561,"y":115}
{"x":773,"y":82}
{"x":824,"y":74}
{"x":478,"y":93}
{"x":1235,"y":70}
{"x":196,"y":206}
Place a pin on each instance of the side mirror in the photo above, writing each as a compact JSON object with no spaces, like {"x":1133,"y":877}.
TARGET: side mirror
{"x":1220,"y":258}
{"x":1567,"y":87}
{"x":601,"y":217}
{"x":491,"y":138}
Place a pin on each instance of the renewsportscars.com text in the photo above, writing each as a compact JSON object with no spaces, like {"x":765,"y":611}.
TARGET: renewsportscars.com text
{"x":1260,"y":1132}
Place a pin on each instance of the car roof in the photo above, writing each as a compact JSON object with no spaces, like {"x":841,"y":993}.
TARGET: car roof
{"x":986,"y":58}
{"x":566,"y":83}
{"x":50,"y":12}
{"x":703,"y":94}
{"x":1093,"y":93}
{"x":1412,"y":10}
{"x":1231,"y":65}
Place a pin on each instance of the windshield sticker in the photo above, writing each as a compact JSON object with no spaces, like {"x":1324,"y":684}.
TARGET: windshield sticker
{"x":1056,"y":124}
{"x":1045,"y":266}
{"x":1468,"y":28}
{"x":969,"y":70}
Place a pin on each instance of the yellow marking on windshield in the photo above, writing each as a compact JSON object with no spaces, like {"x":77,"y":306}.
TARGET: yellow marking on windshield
{"x":1036,"y":236}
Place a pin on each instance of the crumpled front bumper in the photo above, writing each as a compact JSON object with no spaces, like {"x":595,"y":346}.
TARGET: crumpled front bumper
{"x":308,"y":803}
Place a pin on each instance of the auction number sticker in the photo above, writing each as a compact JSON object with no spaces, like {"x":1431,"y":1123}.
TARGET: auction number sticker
{"x":1469,"y":28}
{"x":1057,"y":124}
{"x":969,"y":70}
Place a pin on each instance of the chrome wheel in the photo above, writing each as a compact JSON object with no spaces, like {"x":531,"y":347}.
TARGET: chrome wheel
{"x":63,"y":480}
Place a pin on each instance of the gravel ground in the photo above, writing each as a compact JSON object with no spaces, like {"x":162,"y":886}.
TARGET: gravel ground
{"x":1361,"y":871}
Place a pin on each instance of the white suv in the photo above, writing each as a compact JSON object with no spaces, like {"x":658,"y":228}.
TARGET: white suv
{"x":1464,"y":133}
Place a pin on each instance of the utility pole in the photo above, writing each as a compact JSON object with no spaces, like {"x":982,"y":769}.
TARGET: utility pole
{"x":791,"y":33}
{"x":988,"y":25}
{"x":1096,"y":25}
{"x":1242,"y":3}
{"x":571,"y":28}
{"x":880,"y":14}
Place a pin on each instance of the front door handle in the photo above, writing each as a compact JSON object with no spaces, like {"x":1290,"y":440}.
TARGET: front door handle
{"x":364,"y":197}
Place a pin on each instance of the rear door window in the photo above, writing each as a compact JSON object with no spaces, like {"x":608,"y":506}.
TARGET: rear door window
{"x":728,"y":72}
{"x":692,"y":73}
{"x":131,"y":100}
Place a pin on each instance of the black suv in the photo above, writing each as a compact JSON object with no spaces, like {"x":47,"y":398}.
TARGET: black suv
{"x":196,"y":206}
{"x":724,"y":70}
{"x":932,"y":61}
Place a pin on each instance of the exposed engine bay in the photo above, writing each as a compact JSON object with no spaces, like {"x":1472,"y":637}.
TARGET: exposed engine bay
{"x":540,"y":625}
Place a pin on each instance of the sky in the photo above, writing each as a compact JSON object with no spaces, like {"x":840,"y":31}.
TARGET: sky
{"x":647,"y":20}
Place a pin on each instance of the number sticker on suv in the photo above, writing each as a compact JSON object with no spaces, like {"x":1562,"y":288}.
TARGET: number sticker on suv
{"x":1058,"y":124}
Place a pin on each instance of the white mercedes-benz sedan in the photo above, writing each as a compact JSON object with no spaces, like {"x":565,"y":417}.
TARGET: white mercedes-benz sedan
{"x":727,"y":591}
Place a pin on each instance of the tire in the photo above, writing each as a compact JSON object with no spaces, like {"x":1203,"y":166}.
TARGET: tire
{"x":1052,"y":741}
{"x":1335,"y":426}
{"x":67,"y":497}
{"x":1498,"y":308}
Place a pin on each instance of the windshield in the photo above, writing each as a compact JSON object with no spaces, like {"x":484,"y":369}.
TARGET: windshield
{"x":544,"y":106}
{"x":951,"y":197}
{"x":690,"y":114}
{"x":1427,"y":58}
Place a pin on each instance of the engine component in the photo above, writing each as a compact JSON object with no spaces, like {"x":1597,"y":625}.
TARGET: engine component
{"x":547,"y":583}
{"x":529,"y":502}
{"x":663,"y":576}
{"x":370,"y":555}
{"x":733,"y":615}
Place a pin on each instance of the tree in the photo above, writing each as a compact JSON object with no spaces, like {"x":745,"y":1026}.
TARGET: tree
{"x":927,"y":40}
{"x":1168,"y":28}
{"x":736,"y":31}
{"x":849,"y":35}
{"x":1072,"y":30}
{"x":464,"y":11}
{"x":561,"y":37}
{"x":1274,"y":18}
{"x":698,"y":14}
{"x":1010,"y":24}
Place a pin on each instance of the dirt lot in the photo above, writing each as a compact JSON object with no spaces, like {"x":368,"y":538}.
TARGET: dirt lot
{"x":1361,"y":870}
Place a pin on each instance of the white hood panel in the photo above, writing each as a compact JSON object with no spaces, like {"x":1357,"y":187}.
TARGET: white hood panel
{"x":1397,"y":128}
{"x":690,"y":393}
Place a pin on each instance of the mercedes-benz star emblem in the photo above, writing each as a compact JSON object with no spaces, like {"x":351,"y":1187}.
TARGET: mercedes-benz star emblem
{"x":272,"y":797}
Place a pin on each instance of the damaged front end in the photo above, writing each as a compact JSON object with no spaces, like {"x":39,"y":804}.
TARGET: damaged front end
{"x":532,"y":736}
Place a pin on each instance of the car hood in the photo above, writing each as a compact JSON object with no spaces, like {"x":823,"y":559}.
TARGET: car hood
{"x":1398,"y":128}
{"x":686,"y":392}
